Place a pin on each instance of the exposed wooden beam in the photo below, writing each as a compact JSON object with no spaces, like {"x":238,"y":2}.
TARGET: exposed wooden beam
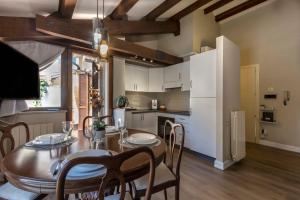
{"x":189,"y":9}
{"x":71,"y":29}
{"x":81,"y":30}
{"x":159,"y":10}
{"x":216,"y":5}
{"x":122,"y":47}
{"x":121,"y":27}
{"x":66,"y":8}
{"x":121,"y":10}
{"x":19,"y":28}
{"x":237,"y":9}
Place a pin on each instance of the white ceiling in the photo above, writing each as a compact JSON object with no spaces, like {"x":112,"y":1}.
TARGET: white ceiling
{"x":86,"y":9}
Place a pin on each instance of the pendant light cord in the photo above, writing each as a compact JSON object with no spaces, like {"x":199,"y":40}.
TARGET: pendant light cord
{"x":103,"y":9}
{"x":97,"y":10}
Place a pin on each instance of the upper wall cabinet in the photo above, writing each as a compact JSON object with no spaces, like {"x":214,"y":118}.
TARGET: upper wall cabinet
{"x":172,"y":76}
{"x":136,"y":78}
{"x":156,"y":80}
{"x":185,"y":76}
{"x":178,"y":76}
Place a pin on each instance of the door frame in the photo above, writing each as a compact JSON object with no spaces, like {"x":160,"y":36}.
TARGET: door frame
{"x":257,"y":124}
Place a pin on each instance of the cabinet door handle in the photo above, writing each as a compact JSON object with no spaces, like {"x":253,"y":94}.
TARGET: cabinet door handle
{"x":162,"y":88}
{"x":179,"y":76}
{"x":136,"y":86}
{"x":191,"y":83}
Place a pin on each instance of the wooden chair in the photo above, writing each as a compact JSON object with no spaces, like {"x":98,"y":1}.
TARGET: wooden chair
{"x":113,"y":173}
{"x":165,"y":176}
{"x":7,"y":190}
{"x":85,"y":120}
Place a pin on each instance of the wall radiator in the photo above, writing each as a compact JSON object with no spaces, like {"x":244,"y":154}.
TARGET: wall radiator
{"x":238,"y":143}
{"x":34,"y":131}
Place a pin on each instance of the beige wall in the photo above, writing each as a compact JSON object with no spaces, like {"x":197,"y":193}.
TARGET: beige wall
{"x":270,"y":37}
{"x":196,"y":29}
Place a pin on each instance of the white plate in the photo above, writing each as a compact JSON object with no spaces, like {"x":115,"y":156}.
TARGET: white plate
{"x":48,"y":139}
{"x":141,"y":138}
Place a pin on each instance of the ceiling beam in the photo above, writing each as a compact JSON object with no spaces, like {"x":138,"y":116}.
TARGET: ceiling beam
{"x":215,"y":6}
{"x":125,"y":48}
{"x":237,"y":9}
{"x":66,"y":8}
{"x":81,"y":30}
{"x":189,"y":9}
{"x":19,"y":28}
{"x":121,"y":10}
{"x":159,"y":10}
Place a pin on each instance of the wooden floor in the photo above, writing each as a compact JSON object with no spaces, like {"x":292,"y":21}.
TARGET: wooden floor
{"x":265,"y":174}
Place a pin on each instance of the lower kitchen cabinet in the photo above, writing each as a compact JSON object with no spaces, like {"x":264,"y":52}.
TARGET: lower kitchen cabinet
{"x":145,"y":121}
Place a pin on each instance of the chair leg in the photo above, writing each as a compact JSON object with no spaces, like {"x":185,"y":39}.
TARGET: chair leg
{"x":177,"y":188}
{"x":166,"y":194}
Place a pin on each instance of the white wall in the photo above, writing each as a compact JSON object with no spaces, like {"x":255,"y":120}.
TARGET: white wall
{"x":270,"y":37}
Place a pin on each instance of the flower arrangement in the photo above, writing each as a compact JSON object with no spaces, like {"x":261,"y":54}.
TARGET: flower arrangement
{"x":99,"y":125}
{"x":96,"y":99}
{"x":122,"y":101}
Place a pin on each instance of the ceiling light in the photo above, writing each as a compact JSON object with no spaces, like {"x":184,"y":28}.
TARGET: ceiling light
{"x":100,"y":35}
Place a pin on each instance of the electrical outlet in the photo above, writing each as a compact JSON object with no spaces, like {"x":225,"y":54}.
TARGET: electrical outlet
{"x":263,"y":133}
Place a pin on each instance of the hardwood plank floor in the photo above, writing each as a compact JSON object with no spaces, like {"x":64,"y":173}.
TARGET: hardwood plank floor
{"x":266,"y":173}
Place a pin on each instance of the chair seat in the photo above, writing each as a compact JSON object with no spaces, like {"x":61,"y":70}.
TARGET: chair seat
{"x":10,"y":192}
{"x":162,"y":175}
{"x":117,"y":197}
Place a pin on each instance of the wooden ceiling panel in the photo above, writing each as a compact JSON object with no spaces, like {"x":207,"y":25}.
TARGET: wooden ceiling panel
{"x":177,"y":8}
{"x":66,"y":8}
{"x":189,"y":9}
{"x":238,"y":9}
{"x":216,"y":6}
{"x":121,"y":10}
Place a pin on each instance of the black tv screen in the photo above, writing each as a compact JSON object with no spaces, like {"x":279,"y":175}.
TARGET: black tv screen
{"x":19,"y":75}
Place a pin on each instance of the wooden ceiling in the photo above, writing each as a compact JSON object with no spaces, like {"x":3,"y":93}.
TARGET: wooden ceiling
{"x":71,"y":21}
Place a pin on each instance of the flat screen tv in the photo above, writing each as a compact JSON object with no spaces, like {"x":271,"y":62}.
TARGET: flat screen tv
{"x":19,"y":75}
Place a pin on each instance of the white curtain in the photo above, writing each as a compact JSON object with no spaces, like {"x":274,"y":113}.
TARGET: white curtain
{"x":44,"y":55}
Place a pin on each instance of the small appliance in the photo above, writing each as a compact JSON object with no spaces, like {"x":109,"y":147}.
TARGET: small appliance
{"x":154,"y":104}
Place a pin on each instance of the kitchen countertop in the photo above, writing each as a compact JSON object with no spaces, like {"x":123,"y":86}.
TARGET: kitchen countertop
{"x":175,"y":112}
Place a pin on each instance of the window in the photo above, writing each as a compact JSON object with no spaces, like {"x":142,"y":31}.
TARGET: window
{"x":50,"y":87}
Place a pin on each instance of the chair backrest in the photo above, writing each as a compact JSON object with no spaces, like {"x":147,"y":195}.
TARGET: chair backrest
{"x":6,"y":130}
{"x":85,"y":120}
{"x":171,"y":143}
{"x":113,"y":165}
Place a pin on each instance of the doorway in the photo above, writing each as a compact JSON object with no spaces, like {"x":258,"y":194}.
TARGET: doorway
{"x":249,"y":96}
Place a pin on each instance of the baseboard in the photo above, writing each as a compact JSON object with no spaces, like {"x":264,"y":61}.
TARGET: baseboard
{"x":280,"y":146}
{"x":223,"y":165}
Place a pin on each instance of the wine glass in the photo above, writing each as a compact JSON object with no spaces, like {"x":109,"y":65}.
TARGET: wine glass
{"x":67,"y":128}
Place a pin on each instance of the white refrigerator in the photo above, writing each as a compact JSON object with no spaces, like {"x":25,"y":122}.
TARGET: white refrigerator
{"x":203,"y":103}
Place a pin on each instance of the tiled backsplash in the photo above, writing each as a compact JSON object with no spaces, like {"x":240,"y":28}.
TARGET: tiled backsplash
{"x":173,"y":99}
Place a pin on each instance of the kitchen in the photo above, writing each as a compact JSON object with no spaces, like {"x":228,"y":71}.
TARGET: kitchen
{"x":188,"y":93}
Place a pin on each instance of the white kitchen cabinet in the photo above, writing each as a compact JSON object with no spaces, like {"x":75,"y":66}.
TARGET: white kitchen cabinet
{"x":172,"y":76}
{"x":130,"y":80}
{"x":185,"y":76}
{"x":185,"y":121}
{"x":203,"y":74}
{"x":137,"y":121}
{"x":136,"y":78}
{"x":156,"y":80}
{"x":128,"y":119}
{"x":145,"y":121}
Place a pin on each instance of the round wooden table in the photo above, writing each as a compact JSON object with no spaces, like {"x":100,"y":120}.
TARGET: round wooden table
{"x":28,"y":168}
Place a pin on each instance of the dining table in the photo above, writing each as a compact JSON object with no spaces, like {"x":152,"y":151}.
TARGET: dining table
{"x":29,"y":168}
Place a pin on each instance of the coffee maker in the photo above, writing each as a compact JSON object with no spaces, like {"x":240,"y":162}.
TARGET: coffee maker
{"x":154,"y":104}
